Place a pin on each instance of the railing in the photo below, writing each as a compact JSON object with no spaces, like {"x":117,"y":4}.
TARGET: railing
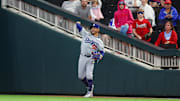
{"x":114,"y":44}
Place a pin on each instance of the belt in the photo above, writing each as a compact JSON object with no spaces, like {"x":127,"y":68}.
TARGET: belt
{"x":86,"y":55}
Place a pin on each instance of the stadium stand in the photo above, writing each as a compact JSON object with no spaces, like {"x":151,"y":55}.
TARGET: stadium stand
{"x":112,"y":7}
{"x":48,"y":27}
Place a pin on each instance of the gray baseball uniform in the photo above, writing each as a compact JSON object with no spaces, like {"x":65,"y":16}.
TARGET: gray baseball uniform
{"x":90,"y":47}
{"x":89,"y":44}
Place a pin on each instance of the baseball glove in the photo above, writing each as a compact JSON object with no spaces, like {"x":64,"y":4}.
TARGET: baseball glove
{"x":96,"y":56}
{"x":147,"y":36}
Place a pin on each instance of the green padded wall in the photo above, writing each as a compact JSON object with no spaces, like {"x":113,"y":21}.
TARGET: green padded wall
{"x":38,"y":60}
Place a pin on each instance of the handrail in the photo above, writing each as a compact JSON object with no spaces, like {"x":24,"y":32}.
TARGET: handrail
{"x":130,"y":47}
{"x":104,"y":29}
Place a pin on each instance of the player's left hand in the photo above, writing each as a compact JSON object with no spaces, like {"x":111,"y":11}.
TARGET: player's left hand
{"x":96,"y":56}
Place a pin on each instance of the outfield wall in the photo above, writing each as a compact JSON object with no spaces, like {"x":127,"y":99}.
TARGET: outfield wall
{"x":38,"y":60}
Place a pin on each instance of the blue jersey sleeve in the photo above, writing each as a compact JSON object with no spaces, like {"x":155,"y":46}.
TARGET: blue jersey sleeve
{"x":79,"y":27}
{"x":102,"y":53}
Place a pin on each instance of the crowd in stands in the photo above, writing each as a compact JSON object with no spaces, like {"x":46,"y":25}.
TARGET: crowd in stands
{"x":134,"y":18}
{"x":90,"y":9}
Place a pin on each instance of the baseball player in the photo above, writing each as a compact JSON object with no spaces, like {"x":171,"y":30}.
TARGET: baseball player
{"x":92,"y":50}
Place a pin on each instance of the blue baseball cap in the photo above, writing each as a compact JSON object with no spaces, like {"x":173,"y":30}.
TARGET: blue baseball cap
{"x":94,"y":25}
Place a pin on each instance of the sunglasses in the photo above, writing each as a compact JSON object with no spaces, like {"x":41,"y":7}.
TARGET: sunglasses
{"x":140,"y":13}
{"x":121,"y":3}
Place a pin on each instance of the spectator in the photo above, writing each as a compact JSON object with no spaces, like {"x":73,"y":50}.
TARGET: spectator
{"x":70,"y":5}
{"x":95,"y":10}
{"x":148,"y":11}
{"x":168,"y":13}
{"x":168,"y":36}
{"x":154,"y":3}
{"x":142,"y":28}
{"x":123,"y":19}
{"x":133,"y":3}
{"x":83,"y":10}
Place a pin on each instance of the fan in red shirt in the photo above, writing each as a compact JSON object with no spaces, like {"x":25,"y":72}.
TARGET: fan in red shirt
{"x":168,"y":36}
{"x":142,"y":28}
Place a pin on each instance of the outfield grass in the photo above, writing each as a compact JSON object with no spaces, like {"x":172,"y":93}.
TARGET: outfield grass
{"x":60,"y":98}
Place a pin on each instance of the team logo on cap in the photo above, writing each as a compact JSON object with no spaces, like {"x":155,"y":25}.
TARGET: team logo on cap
{"x":94,"y":25}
